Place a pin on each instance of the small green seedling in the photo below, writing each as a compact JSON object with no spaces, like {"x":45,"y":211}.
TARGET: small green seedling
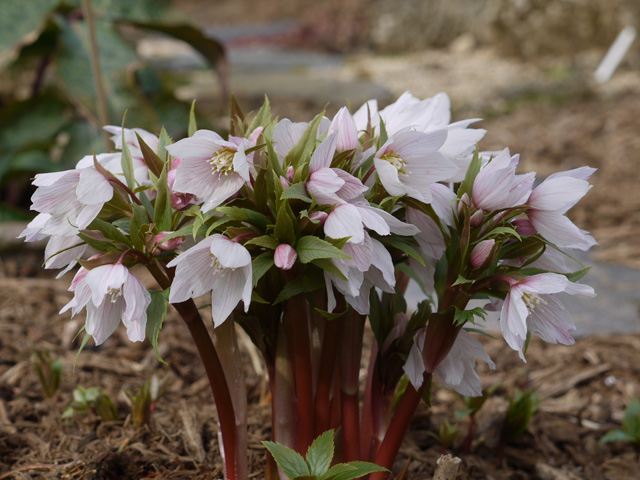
{"x":49,"y":372}
{"x":91,"y":399}
{"x":143,"y":402}
{"x":473,"y":404}
{"x":315,"y":466}
{"x":630,"y":432}
{"x":447,"y":435}
{"x":522,"y":407}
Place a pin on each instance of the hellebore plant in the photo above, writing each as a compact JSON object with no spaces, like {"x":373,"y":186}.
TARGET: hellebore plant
{"x":301,"y":232}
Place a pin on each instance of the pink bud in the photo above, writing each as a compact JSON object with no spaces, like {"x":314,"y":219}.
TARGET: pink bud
{"x":168,"y":245}
{"x":284,"y":182}
{"x":463,"y":200}
{"x":480,"y":252}
{"x":285,"y":256}
{"x":319,"y":216}
{"x":476,"y":218}
{"x":525,"y":227}
{"x":290,"y":174}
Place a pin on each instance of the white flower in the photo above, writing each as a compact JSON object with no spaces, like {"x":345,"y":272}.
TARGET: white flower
{"x":110,"y":293}
{"x":217,"y":265}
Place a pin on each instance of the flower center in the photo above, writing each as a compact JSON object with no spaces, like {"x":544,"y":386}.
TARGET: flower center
{"x":217,"y":267}
{"x":114,"y":293}
{"x":395,"y":160}
{"x":532,"y":300}
{"x":222,"y":161}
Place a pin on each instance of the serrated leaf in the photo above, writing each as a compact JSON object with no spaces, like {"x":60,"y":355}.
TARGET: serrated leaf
{"x":266,"y":241}
{"x":297,"y":190}
{"x":320,"y":454}
{"x":302,"y":284}
{"x":137,"y":221}
{"x":356,"y":470}
{"x":109,"y":231}
{"x":575,"y":276}
{"x":290,"y":461}
{"x":461,"y":281}
{"x":311,"y":248}
{"x":301,"y":152}
{"x":463,"y":316}
{"x":156,"y":313}
{"x":261,"y":265}
{"x":245,"y":215}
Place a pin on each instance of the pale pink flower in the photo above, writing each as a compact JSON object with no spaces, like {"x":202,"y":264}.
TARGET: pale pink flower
{"x":211,"y":168}
{"x":217,"y":265}
{"x":286,"y":134}
{"x":492,"y":188}
{"x":285,"y":256}
{"x":110,"y":293}
{"x":409,"y":162}
{"x":457,"y":370}
{"x":529,"y":305}
{"x":179,"y":200}
{"x":550,"y":200}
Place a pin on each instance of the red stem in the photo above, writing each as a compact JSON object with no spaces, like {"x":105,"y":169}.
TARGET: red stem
{"x":325,"y":376}
{"x":366,"y":428}
{"x":469,"y":439}
{"x":298,"y":328}
{"x":349,"y":364}
{"x":398,"y":428}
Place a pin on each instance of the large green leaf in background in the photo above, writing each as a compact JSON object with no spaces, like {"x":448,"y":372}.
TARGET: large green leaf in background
{"x":19,"y":18}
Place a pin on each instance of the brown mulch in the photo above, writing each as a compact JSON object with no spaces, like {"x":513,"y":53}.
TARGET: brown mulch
{"x":584,"y":389}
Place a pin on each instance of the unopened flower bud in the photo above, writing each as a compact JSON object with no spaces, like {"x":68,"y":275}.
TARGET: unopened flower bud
{"x":476,"y":218}
{"x":464,"y":200}
{"x":285,"y":256}
{"x":290,"y":174}
{"x":525,"y":227}
{"x":319,"y":216}
{"x":481,"y":252}
{"x":284,"y":182}
{"x":170,"y":244}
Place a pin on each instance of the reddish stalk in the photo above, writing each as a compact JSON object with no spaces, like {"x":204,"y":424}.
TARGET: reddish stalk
{"x":213,"y":368}
{"x":366,"y":427}
{"x":283,"y":401}
{"x":349,"y":364}
{"x":325,"y":376}
{"x":398,"y":428}
{"x":469,"y":439}
{"x":298,"y":328}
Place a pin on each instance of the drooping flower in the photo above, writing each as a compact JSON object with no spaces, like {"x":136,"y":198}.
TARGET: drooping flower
{"x":110,"y":293}
{"x":529,"y":305}
{"x":211,"y":168}
{"x":217,"y":265}
{"x":550,"y":200}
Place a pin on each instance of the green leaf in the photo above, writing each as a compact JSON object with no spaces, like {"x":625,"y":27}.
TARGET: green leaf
{"x":301,"y":152}
{"x":266,"y":241}
{"x":461,"y":281}
{"x":320,"y":454}
{"x":261,"y":265}
{"x":403,"y":246}
{"x":616,"y":436}
{"x":328,"y":265}
{"x":290,"y":461}
{"x":297,"y":190}
{"x":355,"y":470}
{"x":82,"y":345}
{"x":302,"y":284}
{"x":18,"y":19}
{"x":285,"y":225}
{"x":263,"y":117}
{"x":156,"y":312}
{"x":501,"y":231}
{"x":246,"y":215}
{"x":109,"y":231}
{"x":236,"y":118}
{"x":472,"y":172}
{"x":631,"y":420}
{"x":137,"y":221}
{"x":193,"y":125}
{"x":126,"y":160}
{"x":313,"y":248}
{"x":575,"y":276}
{"x":163,"y":141}
{"x":463,"y":316}
{"x":150,"y":158}
{"x":162,"y":207}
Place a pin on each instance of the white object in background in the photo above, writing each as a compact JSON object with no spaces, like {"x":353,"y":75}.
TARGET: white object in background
{"x":615,"y":54}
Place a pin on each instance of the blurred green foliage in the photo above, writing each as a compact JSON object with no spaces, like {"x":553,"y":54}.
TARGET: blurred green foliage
{"x":48,"y":104}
